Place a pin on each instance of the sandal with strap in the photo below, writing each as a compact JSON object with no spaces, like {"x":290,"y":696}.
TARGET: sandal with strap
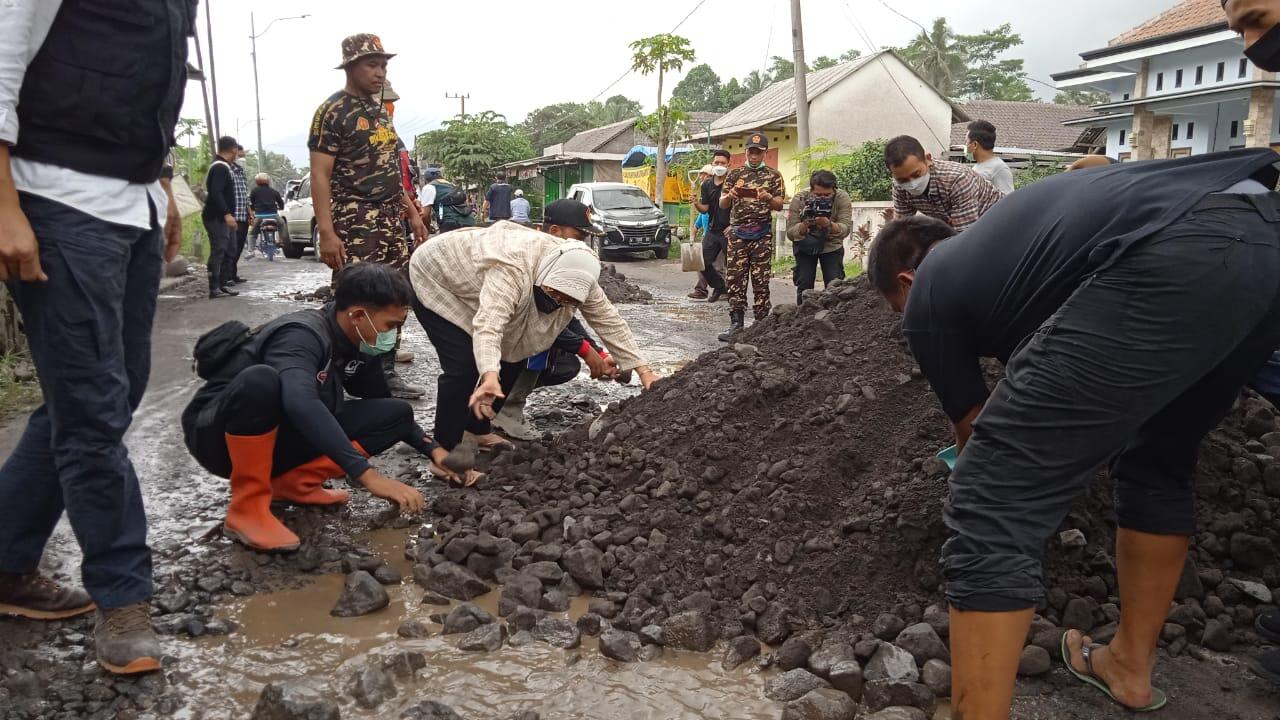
{"x":1158,"y":698}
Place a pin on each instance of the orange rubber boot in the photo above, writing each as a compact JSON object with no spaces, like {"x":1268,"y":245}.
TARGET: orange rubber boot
{"x":304,"y":485}
{"x":249,"y":518}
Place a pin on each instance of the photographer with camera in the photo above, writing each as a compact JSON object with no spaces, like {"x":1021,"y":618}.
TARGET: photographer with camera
{"x":819,"y":220}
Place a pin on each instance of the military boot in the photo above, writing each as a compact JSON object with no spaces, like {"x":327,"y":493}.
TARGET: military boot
{"x":737,"y":320}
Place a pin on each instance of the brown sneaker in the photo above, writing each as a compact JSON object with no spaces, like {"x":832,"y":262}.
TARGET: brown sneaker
{"x":126,"y":643}
{"x":40,"y":598}
{"x":698,"y":295}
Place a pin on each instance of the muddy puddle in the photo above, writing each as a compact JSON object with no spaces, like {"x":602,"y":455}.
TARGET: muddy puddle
{"x":289,"y":634}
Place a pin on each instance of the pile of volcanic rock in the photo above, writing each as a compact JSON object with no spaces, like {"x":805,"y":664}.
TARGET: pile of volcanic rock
{"x":618,"y":288}
{"x":784,"y":490}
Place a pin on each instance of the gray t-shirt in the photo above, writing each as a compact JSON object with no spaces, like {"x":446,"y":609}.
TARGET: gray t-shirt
{"x":996,"y":173}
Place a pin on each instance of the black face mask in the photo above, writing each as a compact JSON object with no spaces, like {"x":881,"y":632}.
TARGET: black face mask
{"x":544,"y":302}
{"x":1265,"y":51}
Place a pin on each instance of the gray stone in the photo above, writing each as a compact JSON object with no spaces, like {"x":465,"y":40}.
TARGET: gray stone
{"x":792,"y":685}
{"x":300,"y":699}
{"x":555,"y":601}
{"x":454,"y":581}
{"x":464,"y":618}
{"x":435,"y":598}
{"x":1217,"y":635}
{"x":922,"y":641}
{"x":1072,"y":538}
{"x":937,"y":676}
{"x":430,"y":710}
{"x":1255,"y":590}
{"x":1078,"y":615}
{"x":690,"y":630}
{"x":405,"y":663}
{"x":585,"y":565}
{"x":520,"y":590}
{"x":793,"y":654}
{"x":880,"y":694}
{"x":1035,"y":661}
{"x":603,"y":607}
{"x":831,"y":652}
{"x":898,"y":713}
{"x":371,"y":685}
{"x":821,"y":704}
{"x":546,"y":571}
{"x":886,"y":627}
{"x":485,"y":638}
{"x":525,"y":531}
{"x":558,"y":632}
{"x":774,"y":624}
{"x":1251,"y":551}
{"x":891,"y":662}
{"x":740,"y":650}
{"x":361,"y":595}
{"x":413,"y":629}
{"x":620,"y":645}
{"x":846,"y":676}
{"x":590,"y":624}
{"x":387,"y":575}
{"x":652,"y":635}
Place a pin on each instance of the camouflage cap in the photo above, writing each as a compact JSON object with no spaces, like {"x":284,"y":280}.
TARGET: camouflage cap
{"x":360,"y":46}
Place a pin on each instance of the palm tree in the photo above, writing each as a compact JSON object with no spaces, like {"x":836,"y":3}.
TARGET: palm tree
{"x":938,"y":57}
{"x":661,"y":53}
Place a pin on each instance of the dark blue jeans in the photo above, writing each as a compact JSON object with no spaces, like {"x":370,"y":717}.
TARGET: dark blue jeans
{"x":89,"y":328}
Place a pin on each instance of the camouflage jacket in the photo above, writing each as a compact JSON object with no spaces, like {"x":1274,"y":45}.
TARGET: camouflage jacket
{"x":358,"y":133}
{"x":746,"y":210}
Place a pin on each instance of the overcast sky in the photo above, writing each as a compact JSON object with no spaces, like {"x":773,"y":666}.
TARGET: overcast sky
{"x":513,"y":56}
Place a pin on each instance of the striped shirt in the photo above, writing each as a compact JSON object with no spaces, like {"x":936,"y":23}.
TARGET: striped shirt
{"x":956,"y":195}
{"x":242,"y":193}
{"x":481,"y":279}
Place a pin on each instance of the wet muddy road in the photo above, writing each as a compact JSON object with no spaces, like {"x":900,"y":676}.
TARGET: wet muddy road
{"x":281,"y":627}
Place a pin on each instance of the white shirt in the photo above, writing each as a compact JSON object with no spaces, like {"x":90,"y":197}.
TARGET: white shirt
{"x":996,"y":173}
{"x":113,"y":200}
{"x":427,"y":195}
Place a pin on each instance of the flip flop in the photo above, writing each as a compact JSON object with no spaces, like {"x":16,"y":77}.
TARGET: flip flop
{"x":1158,"y":698}
{"x":440,"y":474}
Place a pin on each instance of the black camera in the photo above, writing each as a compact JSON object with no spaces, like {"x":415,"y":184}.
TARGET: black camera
{"x":816,"y":207}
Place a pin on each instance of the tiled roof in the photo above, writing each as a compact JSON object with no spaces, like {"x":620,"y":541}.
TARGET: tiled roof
{"x":1186,"y":15}
{"x":1024,"y":125}
{"x":778,"y":100}
{"x":596,"y":138}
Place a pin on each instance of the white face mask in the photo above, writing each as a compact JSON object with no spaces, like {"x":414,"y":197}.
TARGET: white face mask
{"x":915,"y":188}
{"x":242,"y":162}
{"x":719,"y":171}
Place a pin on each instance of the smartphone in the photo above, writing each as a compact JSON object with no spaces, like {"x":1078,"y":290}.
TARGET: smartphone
{"x":749,"y":193}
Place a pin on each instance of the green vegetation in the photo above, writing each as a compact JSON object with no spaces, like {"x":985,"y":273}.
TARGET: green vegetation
{"x":783,"y":267}
{"x":1038,"y":170}
{"x":969,"y":66}
{"x":191,"y":225}
{"x":860,"y":170}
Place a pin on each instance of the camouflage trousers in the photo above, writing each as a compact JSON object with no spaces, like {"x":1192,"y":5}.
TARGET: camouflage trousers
{"x":749,"y":260}
{"x":373,"y":231}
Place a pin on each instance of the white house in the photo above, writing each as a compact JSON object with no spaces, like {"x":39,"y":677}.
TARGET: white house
{"x":1179,"y":84}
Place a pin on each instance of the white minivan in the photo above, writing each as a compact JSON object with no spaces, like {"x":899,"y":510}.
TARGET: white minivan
{"x":298,"y":226}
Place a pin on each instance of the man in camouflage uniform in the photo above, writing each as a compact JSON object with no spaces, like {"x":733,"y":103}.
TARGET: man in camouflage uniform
{"x":356,"y":186}
{"x":754,"y":192}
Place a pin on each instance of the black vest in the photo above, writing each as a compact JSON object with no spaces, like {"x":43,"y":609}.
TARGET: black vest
{"x":102,"y":95}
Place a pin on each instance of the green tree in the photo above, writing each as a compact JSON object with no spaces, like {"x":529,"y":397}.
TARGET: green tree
{"x":699,"y":90}
{"x":278,"y":166}
{"x":755,"y":82}
{"x":781,"y":69}
{"x":661,"y":53}
{"x":1082,"y":97}
{"x":860,"y":171}
{"x":614,"y":109}
{"x":987,"y":77}
{"x":823,"y":62}
{"x":732,"y":94}
{"x":469,"y":147}
{"x":193,"y":160}
{"x":938,"y":57}
{"x":553,"y":124}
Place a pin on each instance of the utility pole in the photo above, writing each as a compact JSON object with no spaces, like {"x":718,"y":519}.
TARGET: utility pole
{"x":459,"y":96}
{"x":257,"y":102}
{"x":204,"y":93}
{"x":802,"y":87}
{"x":216,"y":128}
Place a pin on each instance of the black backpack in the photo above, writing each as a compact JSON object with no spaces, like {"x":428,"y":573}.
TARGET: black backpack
{"x":217,"y":347}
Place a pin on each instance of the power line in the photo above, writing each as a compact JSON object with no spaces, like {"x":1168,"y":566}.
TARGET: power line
{"x":880,"y":58}
{"x":768,"y":44}
{"x":904,"y":17}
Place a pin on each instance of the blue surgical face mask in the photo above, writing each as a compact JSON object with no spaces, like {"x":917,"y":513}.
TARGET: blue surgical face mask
{"x":755,"y":166}
{"x":384,"y":342}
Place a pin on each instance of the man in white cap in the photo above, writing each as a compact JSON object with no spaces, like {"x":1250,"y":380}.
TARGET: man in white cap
{"x":496,"y":296}
{"x":520,"y":209}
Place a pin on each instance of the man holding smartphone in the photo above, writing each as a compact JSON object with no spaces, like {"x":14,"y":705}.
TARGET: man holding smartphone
{"x":752,"y":193}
